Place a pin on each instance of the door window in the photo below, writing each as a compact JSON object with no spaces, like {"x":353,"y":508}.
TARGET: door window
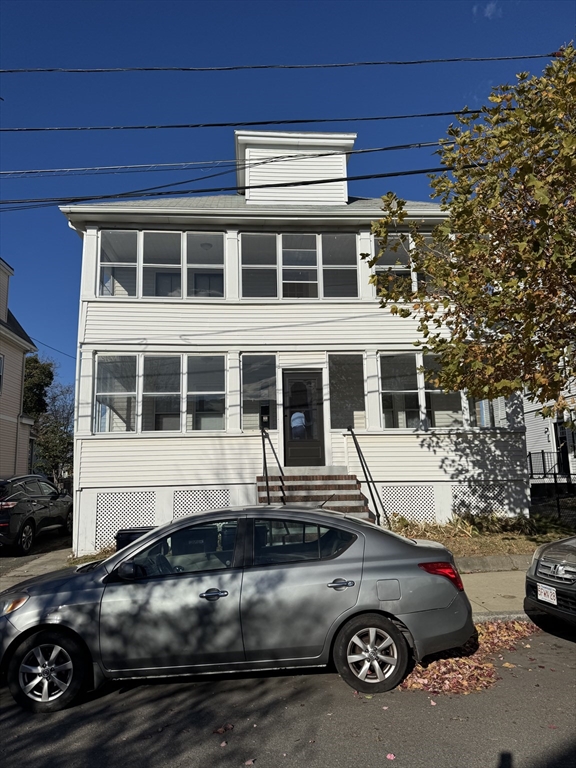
{"x":287,"y":541}
{"x":47,"y":489}
{"x":205,"y":547}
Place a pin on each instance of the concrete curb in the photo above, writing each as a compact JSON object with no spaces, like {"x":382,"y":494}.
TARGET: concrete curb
{"x":491,"y":563}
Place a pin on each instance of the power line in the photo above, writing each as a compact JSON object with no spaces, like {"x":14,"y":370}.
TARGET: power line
{"x":72,"y":357}
{"x":111,"y":169}
{"x":151,"y":167}
{"x":26,"y":204}
{"x":241,"y":67}
{"x":245,"y":124}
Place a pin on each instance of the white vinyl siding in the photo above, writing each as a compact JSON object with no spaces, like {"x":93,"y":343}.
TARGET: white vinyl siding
{"x":299,"y":165}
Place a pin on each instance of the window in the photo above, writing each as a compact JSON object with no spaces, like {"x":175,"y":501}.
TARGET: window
{"x":339,"y":265}
{"x":311,"y":266}
{"x":205,"y":547}
{"x":161,"y":394}
{"x":1,"y":372}
{"x":118,"y":262}
{"x":346,"y":376}
{"x":393,"y":264}
{"x":206,"y":398}
{"x":162,"y":271}
{"x":160,"y":265}
{"x":258,"y":390}
{"x":205,"y":265}
{"x":289,"y":541}
{"x":487,"y":413}
{"x":115,"y":409}
{"x":259,"y":262}
{"x":443,"y":409}
{"x":399,"y":391}
{"x":163,"y":407}
{"x":299,"y":267}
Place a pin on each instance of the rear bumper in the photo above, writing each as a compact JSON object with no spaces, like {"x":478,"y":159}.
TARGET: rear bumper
{"x":439,"y":630}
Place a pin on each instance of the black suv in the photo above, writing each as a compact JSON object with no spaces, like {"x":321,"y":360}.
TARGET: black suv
{"x":29,"y":505}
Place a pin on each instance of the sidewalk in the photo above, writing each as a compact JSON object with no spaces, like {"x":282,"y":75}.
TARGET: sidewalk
{"x":494,"y":585}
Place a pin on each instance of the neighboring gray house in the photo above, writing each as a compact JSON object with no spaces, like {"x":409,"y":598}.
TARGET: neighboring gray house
{"x":15,"y":427}
{"x":201,"y":315}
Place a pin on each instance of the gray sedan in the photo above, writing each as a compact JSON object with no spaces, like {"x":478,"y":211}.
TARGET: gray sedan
{"x":235,"y":590}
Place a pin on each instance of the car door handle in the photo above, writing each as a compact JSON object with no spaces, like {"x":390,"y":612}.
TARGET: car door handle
{"x":340,"y":584}
{"x":213,"y":594}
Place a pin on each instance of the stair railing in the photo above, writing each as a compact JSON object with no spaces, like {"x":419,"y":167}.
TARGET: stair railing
{"x":266,"y":436}
{"x":369,"y":481}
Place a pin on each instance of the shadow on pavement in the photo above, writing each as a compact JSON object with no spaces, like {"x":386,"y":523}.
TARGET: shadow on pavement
{"x":564,"y":759}
{"x":552,"y":625}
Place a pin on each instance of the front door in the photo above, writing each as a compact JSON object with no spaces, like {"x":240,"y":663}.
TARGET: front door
{"x":303,"y":419}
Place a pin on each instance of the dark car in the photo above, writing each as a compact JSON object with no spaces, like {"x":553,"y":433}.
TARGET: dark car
{"x":551,"y":580}
{"x":30,"y":505}
{"x":234,"y":590}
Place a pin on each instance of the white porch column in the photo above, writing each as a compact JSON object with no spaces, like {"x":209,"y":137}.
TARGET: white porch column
{"x":233,"y":392}
{"x":372,"y":392}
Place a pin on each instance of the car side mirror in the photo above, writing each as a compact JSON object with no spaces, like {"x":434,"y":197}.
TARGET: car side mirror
{"x":54,"y":495}
{"x":127,"y":571}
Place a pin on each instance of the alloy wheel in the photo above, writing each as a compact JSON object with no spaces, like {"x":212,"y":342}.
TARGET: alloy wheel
{"x":372,"y":655}
{"x":45,"y":673}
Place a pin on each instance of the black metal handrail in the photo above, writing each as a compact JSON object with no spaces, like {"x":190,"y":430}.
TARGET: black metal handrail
{"x":546,"y":463}
{"x":266,"y":436}
{"x":369,"y":481}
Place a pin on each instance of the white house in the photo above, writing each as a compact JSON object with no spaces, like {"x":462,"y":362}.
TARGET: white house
{"x":199,"y":316}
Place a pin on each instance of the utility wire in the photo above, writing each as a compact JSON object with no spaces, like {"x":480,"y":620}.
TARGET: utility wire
{"x":49,"y":201}
{"x":150,"y":167}
{"x":72,"y":357}
{"x":277,"y":158}
{"x":245,"y":124}
{"x":241,"y":67}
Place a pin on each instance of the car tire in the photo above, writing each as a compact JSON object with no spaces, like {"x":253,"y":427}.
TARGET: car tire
{"x":371,"y":654}
{"x":58,"y":664}
{"x":69,"y":523}
{"x":26,"y":538}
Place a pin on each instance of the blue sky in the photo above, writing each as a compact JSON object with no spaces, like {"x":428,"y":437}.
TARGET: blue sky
{"x":46,"y":254}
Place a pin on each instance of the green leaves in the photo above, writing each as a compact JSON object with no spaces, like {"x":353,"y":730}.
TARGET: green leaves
{"x":500,"y":270}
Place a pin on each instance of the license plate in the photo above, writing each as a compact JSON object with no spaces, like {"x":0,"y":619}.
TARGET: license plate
{"x":547,"y":594}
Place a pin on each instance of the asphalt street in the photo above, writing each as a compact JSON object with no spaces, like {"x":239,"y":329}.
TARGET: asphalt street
{"x":527,"y":720}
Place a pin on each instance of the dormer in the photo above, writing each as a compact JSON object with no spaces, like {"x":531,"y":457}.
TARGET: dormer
{"x":283,"y":157}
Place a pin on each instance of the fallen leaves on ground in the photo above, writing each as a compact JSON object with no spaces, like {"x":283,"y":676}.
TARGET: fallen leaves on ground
{"x":223,"y":728}
{"x":471,"y":668}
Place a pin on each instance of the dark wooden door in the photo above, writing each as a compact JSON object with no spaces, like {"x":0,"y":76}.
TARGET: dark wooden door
{"x":303,"y":419}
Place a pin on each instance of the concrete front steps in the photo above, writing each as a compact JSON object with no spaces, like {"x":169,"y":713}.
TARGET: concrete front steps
{"x":339,"y":492}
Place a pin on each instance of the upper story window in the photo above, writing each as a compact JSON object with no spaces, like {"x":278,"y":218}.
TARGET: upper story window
{"x":299,"y":266}
{"x":118,"y":263}
{"x":394,"y":263}
{"x":171,"y":265}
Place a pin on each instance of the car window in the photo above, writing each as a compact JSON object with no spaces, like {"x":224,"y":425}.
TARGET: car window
{"x":286,"y":541}
{"x":202,"y":547}
{"x":46,"y":488}
{"x":31,"y":488}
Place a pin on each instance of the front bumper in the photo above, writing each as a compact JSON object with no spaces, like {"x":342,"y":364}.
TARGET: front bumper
{"x":8,"y":633}
{"x":566,"y":597}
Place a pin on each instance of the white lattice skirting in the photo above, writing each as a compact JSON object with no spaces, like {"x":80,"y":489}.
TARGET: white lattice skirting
{"x":492,"y":499}
{"x":200,"y":500}
{"x":414,"y":502}
{"x":122,"y":509}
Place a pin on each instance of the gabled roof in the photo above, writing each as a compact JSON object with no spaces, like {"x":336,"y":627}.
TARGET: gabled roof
{"x":12,"y":325}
